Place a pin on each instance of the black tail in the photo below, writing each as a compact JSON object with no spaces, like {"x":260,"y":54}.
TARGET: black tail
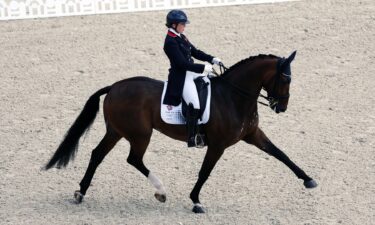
{"x":69,"y":146}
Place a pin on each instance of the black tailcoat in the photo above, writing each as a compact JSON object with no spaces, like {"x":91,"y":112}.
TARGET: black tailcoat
{"x":180,"y":52}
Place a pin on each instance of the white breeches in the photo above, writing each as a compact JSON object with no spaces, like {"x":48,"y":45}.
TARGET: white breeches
{"x":189,"y":92}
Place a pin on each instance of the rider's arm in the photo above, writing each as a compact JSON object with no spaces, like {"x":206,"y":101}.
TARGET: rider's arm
{"x":175,"y":56}
{"x":200,"y":55}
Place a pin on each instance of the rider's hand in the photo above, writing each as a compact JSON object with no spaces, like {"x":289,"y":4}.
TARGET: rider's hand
{"x":216,"y":61}
{"x":208,"y":69}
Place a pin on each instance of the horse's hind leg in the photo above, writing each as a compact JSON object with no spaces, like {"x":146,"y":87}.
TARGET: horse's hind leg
{"x":97,"y":156}
{"x":138,"y":148}
{"x":260,"y":140}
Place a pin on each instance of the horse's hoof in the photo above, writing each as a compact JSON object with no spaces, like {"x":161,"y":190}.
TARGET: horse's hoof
{"x":160,"y":197}
{"x":78,"y":197}
{"x":198,"y":208}
{"x":310,"y":184}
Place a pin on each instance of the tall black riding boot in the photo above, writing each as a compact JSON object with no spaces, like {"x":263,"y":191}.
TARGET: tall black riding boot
{"x":192,"y":124}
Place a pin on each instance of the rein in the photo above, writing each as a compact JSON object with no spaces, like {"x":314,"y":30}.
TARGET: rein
{"x":239,"y":90}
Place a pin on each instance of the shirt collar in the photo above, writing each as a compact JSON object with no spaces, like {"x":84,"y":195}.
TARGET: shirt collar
{"x":175,"y":32}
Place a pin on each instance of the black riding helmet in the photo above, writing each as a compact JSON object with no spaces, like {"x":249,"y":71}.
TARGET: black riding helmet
{"x":176,"y":17}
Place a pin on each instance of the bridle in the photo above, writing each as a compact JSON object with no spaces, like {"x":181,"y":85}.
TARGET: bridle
{"x":273,"y":98}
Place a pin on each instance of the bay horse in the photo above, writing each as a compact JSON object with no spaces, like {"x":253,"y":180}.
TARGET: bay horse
{"x":132,"y":110}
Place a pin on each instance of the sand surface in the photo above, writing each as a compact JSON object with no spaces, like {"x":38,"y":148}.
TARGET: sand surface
{"x":49,"y":68}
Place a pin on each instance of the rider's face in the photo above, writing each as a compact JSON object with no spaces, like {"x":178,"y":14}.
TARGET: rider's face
{"x":180,"y":27}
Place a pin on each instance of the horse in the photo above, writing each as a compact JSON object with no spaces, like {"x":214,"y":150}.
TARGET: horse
{"x":132,"y":110}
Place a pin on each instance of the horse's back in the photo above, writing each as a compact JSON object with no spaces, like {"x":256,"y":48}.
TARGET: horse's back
{"x":134,"y":100}
{"x":140,"y":87}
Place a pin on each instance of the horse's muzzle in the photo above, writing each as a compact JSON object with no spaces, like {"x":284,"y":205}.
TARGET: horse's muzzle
{"x":281,"y":109}
{"x":278,"y":109}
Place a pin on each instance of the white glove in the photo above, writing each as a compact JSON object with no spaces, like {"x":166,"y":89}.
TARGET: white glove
{"x":208,"y":69}
{"x":216,"y":61}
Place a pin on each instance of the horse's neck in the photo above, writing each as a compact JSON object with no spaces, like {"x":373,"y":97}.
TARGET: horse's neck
{"x":245,"y":83}
{"x":249,"y":77}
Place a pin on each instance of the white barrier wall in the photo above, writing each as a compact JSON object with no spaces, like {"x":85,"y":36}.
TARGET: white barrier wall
{"x":18,"y":9}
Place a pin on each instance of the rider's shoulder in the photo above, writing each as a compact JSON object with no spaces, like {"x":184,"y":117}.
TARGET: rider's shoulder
{"x":170,"y":34}
{"x":170,"y":40}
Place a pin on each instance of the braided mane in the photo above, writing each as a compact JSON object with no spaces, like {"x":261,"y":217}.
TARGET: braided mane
{"x":247,"y":60}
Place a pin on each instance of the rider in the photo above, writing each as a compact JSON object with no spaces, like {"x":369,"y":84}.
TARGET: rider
{"x":183,"y":70}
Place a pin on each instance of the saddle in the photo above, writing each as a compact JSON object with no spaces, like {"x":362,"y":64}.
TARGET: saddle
{"x":176,"y":114}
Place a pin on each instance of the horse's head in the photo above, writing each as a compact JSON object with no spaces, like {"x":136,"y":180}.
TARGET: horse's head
{"x":269,"y":72}
{"x":278,"y":84}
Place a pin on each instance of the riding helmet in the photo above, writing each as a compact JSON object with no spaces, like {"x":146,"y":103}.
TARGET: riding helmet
{"x":175,"y":17}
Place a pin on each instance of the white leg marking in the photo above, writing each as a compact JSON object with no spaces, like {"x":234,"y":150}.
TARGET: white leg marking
{"x":157,"y":183}
{"x":198,"y":205}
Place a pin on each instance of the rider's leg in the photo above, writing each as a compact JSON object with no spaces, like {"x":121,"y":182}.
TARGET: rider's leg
{"x":189,"y":92}
{"x":190,"y":95}
{"x":192,"y":125}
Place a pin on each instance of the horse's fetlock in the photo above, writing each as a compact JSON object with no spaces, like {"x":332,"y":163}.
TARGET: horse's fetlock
{"x":194,"y":198}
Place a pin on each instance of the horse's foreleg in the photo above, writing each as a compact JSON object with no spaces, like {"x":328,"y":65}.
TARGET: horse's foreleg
{"x":135,"y":158}
{"x":259,"y":139}
{"x":97,"y":156}
{"x":212,"y":156}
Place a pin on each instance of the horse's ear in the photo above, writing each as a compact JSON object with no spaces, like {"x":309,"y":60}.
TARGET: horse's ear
{"x":291,"y":57}
{"x":285,"y":63}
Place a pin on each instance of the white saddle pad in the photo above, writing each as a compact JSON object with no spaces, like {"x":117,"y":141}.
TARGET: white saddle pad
{"x":173,"y":114}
